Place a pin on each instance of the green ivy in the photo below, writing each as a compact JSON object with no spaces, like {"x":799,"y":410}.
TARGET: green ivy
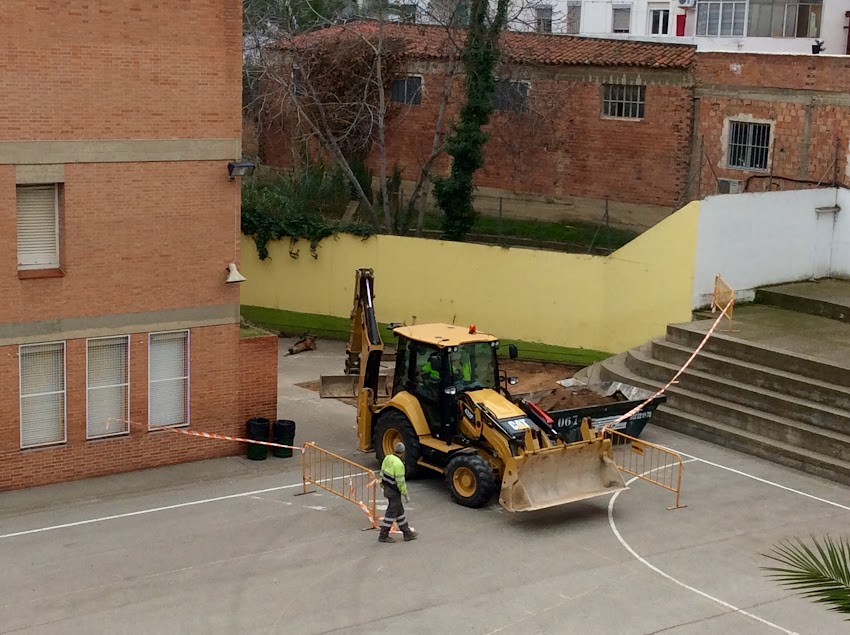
{"x":297,"y":207}
{"x":466,"y":140}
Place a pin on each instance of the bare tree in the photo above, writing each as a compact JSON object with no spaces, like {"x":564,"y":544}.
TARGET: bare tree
{"x":324,"y":79}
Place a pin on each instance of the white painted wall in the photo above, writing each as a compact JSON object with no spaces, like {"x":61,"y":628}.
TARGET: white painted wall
{"x":596,"y":20}
{"x":841,"y":237}
{"x":758,"y":239}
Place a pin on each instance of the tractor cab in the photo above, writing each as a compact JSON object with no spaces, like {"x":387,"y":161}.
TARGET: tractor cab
{"x":439,"y":363}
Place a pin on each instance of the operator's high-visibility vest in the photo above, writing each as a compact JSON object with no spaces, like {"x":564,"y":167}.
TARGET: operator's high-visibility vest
{"x":427,"y":370}
{"x":392,"y":474}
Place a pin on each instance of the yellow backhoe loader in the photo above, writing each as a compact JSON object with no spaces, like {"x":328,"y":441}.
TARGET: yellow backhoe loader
{"x":451,"y":407}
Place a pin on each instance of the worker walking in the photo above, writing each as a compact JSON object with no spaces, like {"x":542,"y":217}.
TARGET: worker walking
{"x":395,"y":486}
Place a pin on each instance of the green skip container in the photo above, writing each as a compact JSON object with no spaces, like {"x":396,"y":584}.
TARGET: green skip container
{"x":283,"y":432}
{"x":257,"y":429}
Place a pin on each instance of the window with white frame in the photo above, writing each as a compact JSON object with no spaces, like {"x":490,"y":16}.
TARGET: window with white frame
{"x":168,"y":379}
{"x":659,"y":19}
{"x":623,"y":102}
{"x":38,"y":226}
{"x":543,"y":19}
{"x":621,"y":20}
{"x":721,"y":18}
{"x":510,"y":96}
{"x":407,"y":90}
{"x":107,"y":386}
{"x":749,"y":145}
{"x":42,"y":380}
{"x":573,"y":25}
{"x":780,"y":18}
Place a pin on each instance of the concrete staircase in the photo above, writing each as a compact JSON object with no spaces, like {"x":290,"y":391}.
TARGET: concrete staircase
{"x":777,"y":386}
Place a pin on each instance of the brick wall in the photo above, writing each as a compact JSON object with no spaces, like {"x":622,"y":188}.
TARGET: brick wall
{"x":125,"y":69}
{"x":563,"y":147}
{"x":802,"y":97}
{"x":258,"y":377}
{"x":134,"y":237}
{"x":216,"y":405}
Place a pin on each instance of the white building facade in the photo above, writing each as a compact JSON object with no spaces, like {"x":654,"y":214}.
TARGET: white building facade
{"x":769,"y":26}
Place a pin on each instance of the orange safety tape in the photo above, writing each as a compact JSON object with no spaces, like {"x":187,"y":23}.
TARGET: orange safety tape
{"x":212,"y":435}
{"x":640,"y":407}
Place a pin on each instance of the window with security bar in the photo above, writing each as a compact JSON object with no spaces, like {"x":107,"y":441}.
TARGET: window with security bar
{"x":780,"y":18}
{"x":38,"y":226}
{"x":623,"y":102}
{"x":721,"y":18}
{"x":510,"y":96}
{"x":168,"y":379}
{"x":407,"y":90}
{"x":107,"y":386}
{"x":749,"y":145}
{"x":42,"y":379}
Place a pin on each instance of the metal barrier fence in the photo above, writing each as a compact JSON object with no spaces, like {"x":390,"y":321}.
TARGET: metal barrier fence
{"x":723,"y":299}
{"x":649,"y":462}
{"x":341,"y":477}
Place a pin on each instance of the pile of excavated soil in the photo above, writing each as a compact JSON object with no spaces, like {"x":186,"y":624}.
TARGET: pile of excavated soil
{"x":561,"y":398}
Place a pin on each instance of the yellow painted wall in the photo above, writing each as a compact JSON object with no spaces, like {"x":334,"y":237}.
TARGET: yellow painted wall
{"x":605,"y":303}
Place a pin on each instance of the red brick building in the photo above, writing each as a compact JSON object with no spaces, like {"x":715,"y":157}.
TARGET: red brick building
{"x":117,"y":225}
{"x":771,"y":121}
{"x":581,"y":119}
{"x":633,"y":122}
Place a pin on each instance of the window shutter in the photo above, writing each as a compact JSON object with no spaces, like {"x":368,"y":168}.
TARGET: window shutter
{"x":107,"y":386}
{"x":38,"y":235}
{"x":622,"y":20}
{"x":168,"y":392}
{"x":42,"y":368}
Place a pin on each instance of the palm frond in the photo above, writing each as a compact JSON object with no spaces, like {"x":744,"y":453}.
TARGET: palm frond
{"x":821,"y":573}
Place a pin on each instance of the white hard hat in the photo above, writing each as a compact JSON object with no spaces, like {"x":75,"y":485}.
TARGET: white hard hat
{"x":399,"y":447}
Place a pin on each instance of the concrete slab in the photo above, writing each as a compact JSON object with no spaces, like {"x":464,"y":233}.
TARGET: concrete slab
{"x":225,"y":547}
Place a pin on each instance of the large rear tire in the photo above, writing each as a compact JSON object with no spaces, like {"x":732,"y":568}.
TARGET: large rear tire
{"x":471,"y":480}
{"x":394,"y":426}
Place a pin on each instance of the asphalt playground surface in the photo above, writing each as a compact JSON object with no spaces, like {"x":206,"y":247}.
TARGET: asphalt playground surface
{"x":224,"y":546}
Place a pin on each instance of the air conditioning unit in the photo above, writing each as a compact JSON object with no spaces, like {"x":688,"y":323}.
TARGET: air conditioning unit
{"x":729,"y":186}
{"x":687,"y":4}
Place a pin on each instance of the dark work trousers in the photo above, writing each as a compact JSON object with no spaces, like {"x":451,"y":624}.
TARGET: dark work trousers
{"x":394,"y":513}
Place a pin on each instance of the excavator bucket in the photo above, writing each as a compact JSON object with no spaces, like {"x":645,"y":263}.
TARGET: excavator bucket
{"x":345,"y":386}
{"x":561,"y":474}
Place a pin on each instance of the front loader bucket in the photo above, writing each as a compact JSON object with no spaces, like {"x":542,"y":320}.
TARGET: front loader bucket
{"x":562,"y":474}
{"x":345,"y":386}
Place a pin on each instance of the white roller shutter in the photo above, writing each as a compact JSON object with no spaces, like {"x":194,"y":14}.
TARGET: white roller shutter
{"x":168,"y":379}
{"x":42,"y":368}
{"x":38,"y":226}
{"x":107,"y":386}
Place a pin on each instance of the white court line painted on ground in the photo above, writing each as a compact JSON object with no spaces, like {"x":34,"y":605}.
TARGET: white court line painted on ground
{"x":648,"y":564}
{"x":283,"y":487}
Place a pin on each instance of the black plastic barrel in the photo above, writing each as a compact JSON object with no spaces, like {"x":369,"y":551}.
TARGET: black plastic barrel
{"x":283,"y":432}
{"x":257,"y":429}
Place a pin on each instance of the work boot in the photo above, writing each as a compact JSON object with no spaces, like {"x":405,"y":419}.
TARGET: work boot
{"x":386,"y":538}
{"x":410,"y":535}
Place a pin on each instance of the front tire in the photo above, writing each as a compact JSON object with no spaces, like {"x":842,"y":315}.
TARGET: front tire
{"x":471,"y":480}
{"x":392,"y":427}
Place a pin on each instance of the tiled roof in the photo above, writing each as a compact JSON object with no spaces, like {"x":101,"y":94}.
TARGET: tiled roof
{"x":433,"y":42}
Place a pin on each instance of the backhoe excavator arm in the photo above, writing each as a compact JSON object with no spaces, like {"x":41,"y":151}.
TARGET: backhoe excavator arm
{"x":364,"y":352}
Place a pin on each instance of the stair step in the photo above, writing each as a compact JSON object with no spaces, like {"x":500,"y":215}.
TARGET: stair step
{"x":738,"y":349}
{"x":741,"y":393}
{"x":736,"y":439}
{"x":787,"y":299}
{"x":819,"y":441}
{"x":758,"y":375}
